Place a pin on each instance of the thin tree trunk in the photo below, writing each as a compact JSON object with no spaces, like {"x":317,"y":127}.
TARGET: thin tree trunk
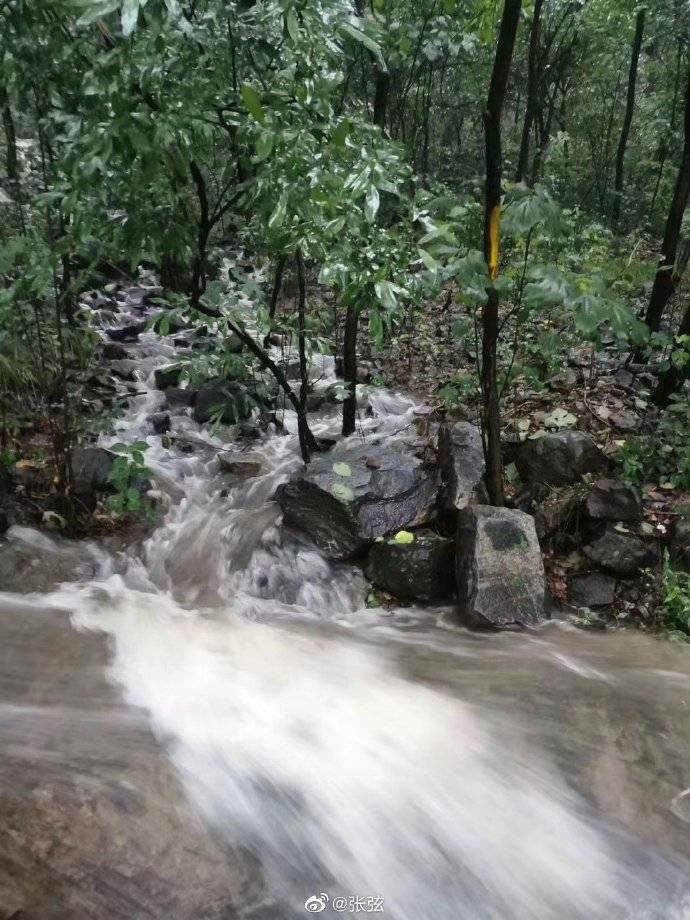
{"x":671,"y":380}
{"x":275,"y":294}
{"x":532,"y":89}
{"x":492,"y":218}
{"x":627,"y":120}
{"x":665,"y":142}
{"x":665,"y":280}
{"x":11,"y":160}
{"x":302,"y":348}
{"x":350,"y":370}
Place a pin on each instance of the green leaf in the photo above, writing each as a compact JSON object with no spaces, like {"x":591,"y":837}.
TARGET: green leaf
{"x":279,"y":212}
{"x":403,"y":537}
{"x":292,"y":25}
{"x":342,"y":469}
{"x":372,"y":203}
{"x":253,"y":102}
{"x":129,"y":16}
{"x":96,"y":10}
{"x":264,"y":146}
{"x":359,"y":36}
{"x":343,"y":492}
{"x":341,"y":133}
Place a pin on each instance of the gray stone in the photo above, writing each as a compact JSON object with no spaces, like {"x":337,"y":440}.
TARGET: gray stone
{"x":592,"y":590}
{"x":419,"y":571}
{"x":680,"y":543}
{"x":176,"y":397}
{"x":383,"y":493}
{"x":231,"y":396}
{"x":168,"y":376}
{"x":91,"y":468}
{"x":246,"y":465}
{"x":614,"y":501}
{"x":31,"y":561}
{"x":126,"y":333}
{"x":160,"y":422}
{"x":620,"y":553}
{"x":499,"y":568}
{"x":124,"y":369}
{"x":233,"y":344}
{"x":113,"y":351}
{"x":461,"y":458}
{"x":559,"y":459}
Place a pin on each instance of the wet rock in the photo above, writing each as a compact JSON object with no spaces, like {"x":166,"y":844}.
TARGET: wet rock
{"x":124,"y":369}
{"x":620,"y":553}
{"x":4,"y":520}
{"x":104,"y":318}
{"x":160,"y":422}
{"x":614,"y":501}
{"x":231,"y":397}
{"x":499,"y":568}
{"x":419,"y":571}
{"x":315,"y":401}
{"x":168,"y":376}
{"x":343,"y":503}
{"x":246,"y":465}
{"x":126,"y":333}
{"x":31,"y":561}
{"x":461,"y":459}
{"x":177,"y":397}
{"x":91,"y":468}
{"x":559,"y":459}
{"x":233,"y":344}
{"x":592,"y":590}
{"x":113,"y":351}
{"x":680,"y":543}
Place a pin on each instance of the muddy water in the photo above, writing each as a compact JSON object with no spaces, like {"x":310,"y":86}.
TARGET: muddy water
{"x":217,"y":727}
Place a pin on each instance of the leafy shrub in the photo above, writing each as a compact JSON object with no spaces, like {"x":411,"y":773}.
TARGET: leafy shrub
{"x":128,"y":477}
{"x":675,"y":601}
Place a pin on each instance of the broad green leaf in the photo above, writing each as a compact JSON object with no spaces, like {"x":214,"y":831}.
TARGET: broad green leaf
{"x":372,"y":203}
{"x":264,"y":146}
{"x":129,"y":16}
{"x":359,"y":36}
{"x":342,"y":469}
{"x":403,"y":537}
{"x":292,"y":25}
{"x":252,"y":102}
{"x":343,"y":492}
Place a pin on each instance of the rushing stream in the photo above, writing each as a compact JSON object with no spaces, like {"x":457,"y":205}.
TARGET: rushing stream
{"x":308,"y":747}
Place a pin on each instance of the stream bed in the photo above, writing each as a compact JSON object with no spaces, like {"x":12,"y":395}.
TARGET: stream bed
{"x":218,"y":727}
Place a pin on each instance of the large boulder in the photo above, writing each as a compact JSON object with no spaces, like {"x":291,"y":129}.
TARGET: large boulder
{"x":461,"y":460}
{"x":230,"y":397}
{"x":422,"y":570}
{"x":344,"y":503}
{"x":127,"y":333}
{"x":614,"y":501}
{"x":179,"y":398}
{"x":499,"y":568}
{"x":559,"y":459}
{"x":620,"y":553}
{"x":91,"y":468}
{"x":113,"y":351}
{"x":168,"y":376}
{"x":124,"y":369}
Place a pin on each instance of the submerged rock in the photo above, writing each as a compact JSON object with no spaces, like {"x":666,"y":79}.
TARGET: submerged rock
{"x":238,"y":464}
{"x":614,"y":501}
{"x":559,"y":459}
{"x":461,"y":459}
{"x":499,"y":568}
{"x":344,"y":503}
{"x":620,"y":553}
{"x":422,"y":570}
{"x":127,"y":333}
{"x":31,"y":561}
{"x":160,"y":422}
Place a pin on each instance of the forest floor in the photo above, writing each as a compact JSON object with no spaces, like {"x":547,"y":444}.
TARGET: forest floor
{"x":580,"y":387}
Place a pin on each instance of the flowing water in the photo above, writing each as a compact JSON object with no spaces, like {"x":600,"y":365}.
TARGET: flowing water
{"x":217,"y":727}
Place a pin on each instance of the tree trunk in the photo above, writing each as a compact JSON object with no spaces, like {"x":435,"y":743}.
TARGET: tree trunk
{"x":302,"y":348}
{"x":492,"y":217}
{"x":350,"y":370}
{"x":381,"y":97}
{"x":532,"y":91}
{"x":673,"y":377}
{"x":275,"y":294}
{"x":11,"y":161}
{"x":665,"y":280}
{"x":627,"y":120}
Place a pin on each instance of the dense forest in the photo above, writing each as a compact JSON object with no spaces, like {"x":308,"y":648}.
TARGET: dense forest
{"x":478,"y":201}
